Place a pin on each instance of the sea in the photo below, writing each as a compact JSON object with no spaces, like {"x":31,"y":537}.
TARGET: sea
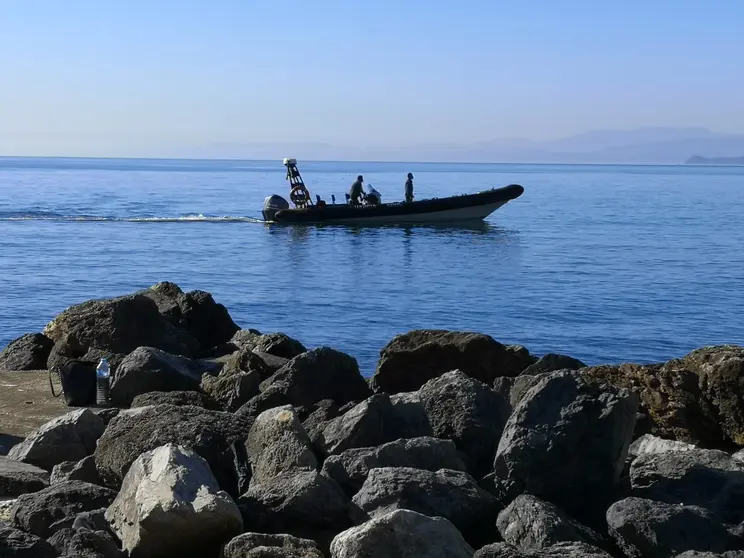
{"x":605,"y":263}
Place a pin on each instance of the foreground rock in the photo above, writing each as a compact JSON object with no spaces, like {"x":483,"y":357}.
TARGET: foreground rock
{"x":171,"y":504}
{"x":402,"y":534}
{"x":18,"y":478}
{"x":657,"y":530}
{"x":259,"y":545}
{"x":538,"y":453}
{"x":453,"y":495}
{"x":710,"y":479}
{"x":45,"y":512}
{"x":67,"y":438}
{"x":468,"y":412}
{"x":28,"y":352}
{"x":529,"y":523}
{"x":14,"y":543}
{"x":351,"y":467}
{"x":558,"y":550}
{"x":83,"y":470}
{"x":410,"y":360}
{"x":84,"y":543}
{"x":178,"y":398}
{"x":217,"y":437}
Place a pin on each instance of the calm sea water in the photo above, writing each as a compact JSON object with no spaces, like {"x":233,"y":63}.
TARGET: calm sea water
{"x":605,"y":263}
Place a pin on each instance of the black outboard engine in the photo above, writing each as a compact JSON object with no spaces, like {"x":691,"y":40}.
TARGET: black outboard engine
{"x":272,"y":204}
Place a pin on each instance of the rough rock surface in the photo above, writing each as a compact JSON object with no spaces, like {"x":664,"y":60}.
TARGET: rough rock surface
{"x":411,"y":414}
{"x":277,"y":443}
{"x":18,"y":478}
{"x":402,"y":534}
{"x":148,"y":369}
{"x":67,"y":438}
{"x":558,"y":550}
{"x":28,"y":352}
{"x":273,"y":396}
{"x":246,"y":361}
{"x":217,"y":437}
{"x":45,"y":512}
{"x":707,"y":478}
{"x":468,"y":412}
{"x":83,"y":543}
{"x":553,"y":362}
{"x":657,"y":530}
{"x":83,"y":470}
{"x":261,"y":545}
{"x":410,"y":360}
{"x":453,"y":495}
{"x":321,"y":373}
{"x":351,"y":467}
{"x":537,"y":451}
{"x":648,"y":443}
{"x":14,"y":543}
{"x":278,"y":344}
{"x":232,"y":391}
{"x":195,"y":398}
{"x":170,"y":504}
{"x":529,"y":523}
{"x":318,"y":417}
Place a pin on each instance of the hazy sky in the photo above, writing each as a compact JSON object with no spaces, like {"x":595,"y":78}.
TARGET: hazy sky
{"x":115,"y":77}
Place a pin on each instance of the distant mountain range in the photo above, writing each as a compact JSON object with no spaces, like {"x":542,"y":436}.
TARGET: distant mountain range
{"x":697,"y":160}
{"x":640,"y":146}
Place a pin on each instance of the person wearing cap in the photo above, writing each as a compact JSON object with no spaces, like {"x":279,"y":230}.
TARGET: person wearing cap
{"x":409,"y":187}
{"x":356,"y":193}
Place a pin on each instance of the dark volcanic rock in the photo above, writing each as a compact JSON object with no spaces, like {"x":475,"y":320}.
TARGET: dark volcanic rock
{"x":412,"y":417}
{"x":318,"y":417}
{"x":245,"y":338}
{"x":232,"y":391}
{"x":273,"y":396}
{"x":553,"y":362}
{"x":18,"y":478}
{"x":72,"y":543}
{"x":14,"y":543}
{"x":529,"y":523}
{"x":67,"y":438}
{"x":658,"y":530}
{"x":351,"y":468}
{"x":402,"y":534}
{"x":278,"y":344}
{"x":558,"y":550}
{"x":707,"y":478}
{"x":272,"y":362}
{"x":453,"y":495}
{"x":467,"y":412}
{"x":83,"y":470}
{"x":68,"y":348}
{"x":216,"y":436}
{"x":147,"y":369}
{"x":178,"y":398}
{"x":28,"y":352}
{"x":322,"y":373}
{"x":566,"y":443}
{"x":260,"y":545}
{"x":412,"y":359}
{"x":120,"y":325}
{"x":45,"y":512}
{"x":246,"y":361}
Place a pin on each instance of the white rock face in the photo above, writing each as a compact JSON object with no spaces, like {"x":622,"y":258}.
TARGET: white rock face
{"x":170,"y":503}
{"x":648,"y":443}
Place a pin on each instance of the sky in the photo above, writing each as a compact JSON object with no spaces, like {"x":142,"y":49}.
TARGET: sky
{"x":160,"y":77}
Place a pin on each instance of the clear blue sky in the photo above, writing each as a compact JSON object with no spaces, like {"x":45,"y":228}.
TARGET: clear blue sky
{"x":123,"y":77}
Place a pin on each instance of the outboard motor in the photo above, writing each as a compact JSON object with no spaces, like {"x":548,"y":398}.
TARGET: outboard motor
{"x":272,"y":204}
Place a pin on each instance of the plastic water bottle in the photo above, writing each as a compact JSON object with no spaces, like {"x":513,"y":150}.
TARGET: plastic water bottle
{"x":102,"y":382}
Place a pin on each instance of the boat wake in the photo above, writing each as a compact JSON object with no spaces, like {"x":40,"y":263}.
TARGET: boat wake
{"x":145,"y":219}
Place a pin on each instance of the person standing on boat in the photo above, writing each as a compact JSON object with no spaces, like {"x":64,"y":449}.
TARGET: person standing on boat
{"x":409,"y":187}
{"x":356,"y":194}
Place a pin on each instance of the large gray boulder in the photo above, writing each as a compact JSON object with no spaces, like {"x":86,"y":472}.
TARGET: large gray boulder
{"x":698,"y":477}
{"x":67,"y":438}
{"x":170,"y":504}
{"x":179,"y":398}
{"x":653,"y":529}
{"x":402,"y":534}
{"x":453,"y":495}
{"x":277,"y":443}
{"x":410,"y":360}
{"x":17,"y":477}
{"x":529,"y":523}
{"x":469,"y":413}
{"x":83,"y":470}
{"x":246,"y":361}
{"x":84,"y":543}
{"x":216,"y":436}
{"x":648,"y":443}
{"x":412,"y":417}
{"x":278,"y":344}
{"x":14,"y":543}
{"x":321,"y":373}
{"x":262,"y":545}
{"x":558,"y":550}
{"x":148,"y":369}
{"x":351,"y":467}
{"x":45,"y":512}
{"x":274,"y":395}
{"x":232,"y":391}
{"x":28,"y":352}
{"x":537,"y":453}
{"x":553,"y":362}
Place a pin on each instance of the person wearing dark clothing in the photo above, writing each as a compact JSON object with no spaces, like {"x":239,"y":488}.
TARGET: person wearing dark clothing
{"x":356,"y":193}
{"x":409,"y":187}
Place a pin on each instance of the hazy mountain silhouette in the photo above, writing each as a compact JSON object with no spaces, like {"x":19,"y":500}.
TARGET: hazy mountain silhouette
{"x":640,"y":146}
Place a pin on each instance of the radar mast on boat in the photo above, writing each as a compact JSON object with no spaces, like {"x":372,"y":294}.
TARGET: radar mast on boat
{"x":299,"y":193}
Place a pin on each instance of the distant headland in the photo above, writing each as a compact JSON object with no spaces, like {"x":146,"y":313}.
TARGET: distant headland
{"x":697,"y":160}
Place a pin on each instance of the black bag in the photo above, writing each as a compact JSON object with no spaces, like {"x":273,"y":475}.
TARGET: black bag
{"x":78,"y":379}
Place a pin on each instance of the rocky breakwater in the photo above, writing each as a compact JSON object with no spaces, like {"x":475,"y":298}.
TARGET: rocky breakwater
{"x":226,"y":442}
